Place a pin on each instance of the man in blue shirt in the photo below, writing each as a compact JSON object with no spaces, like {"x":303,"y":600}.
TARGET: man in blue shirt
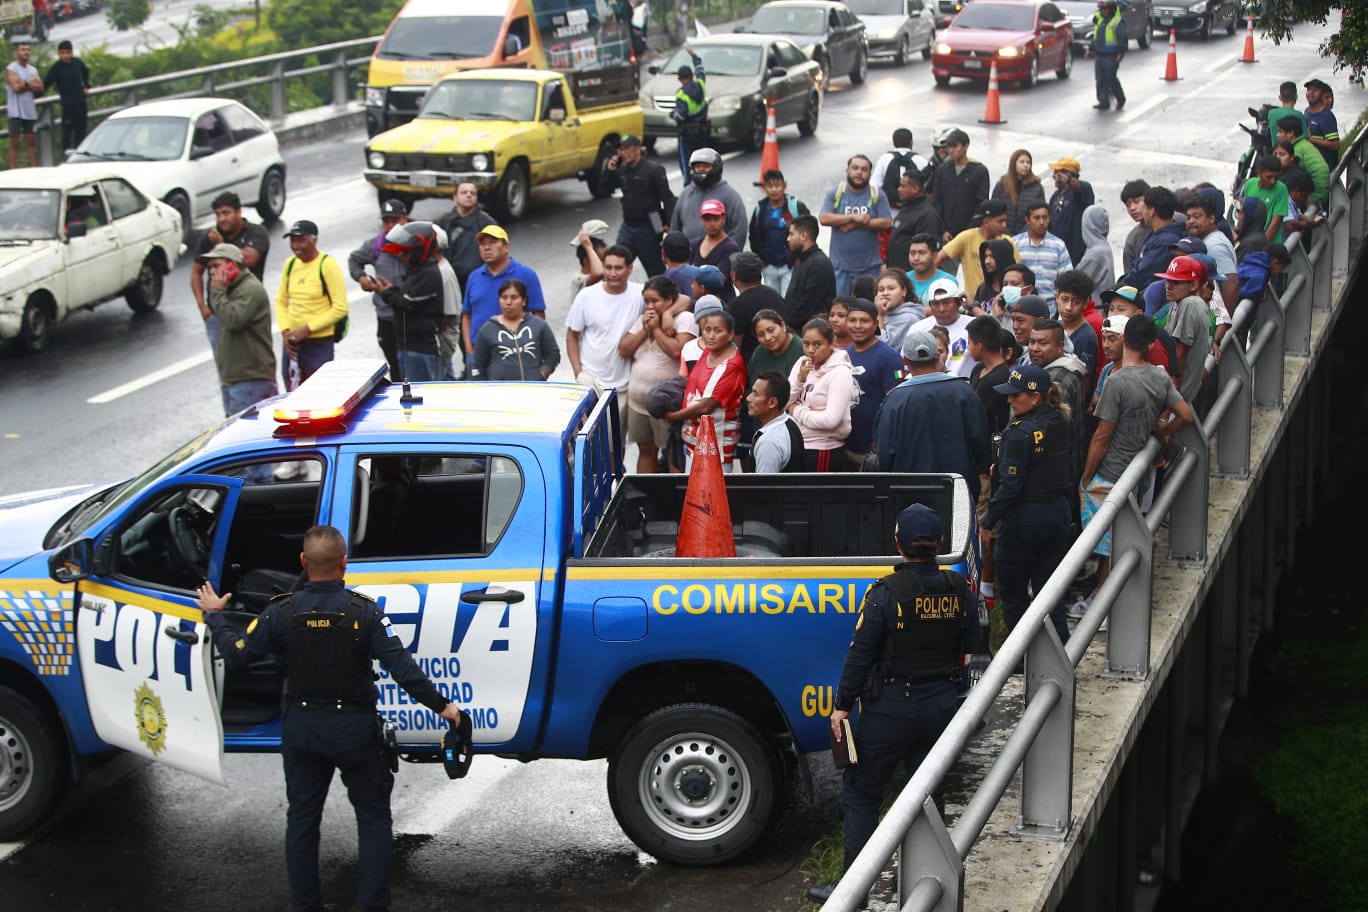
{"x":481,"y":300}
{"x":876,"y":367}
{"x":856,"y":212}
{"x":1321,"y":127}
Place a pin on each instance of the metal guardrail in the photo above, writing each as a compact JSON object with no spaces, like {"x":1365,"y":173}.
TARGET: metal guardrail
{"x":931,"y":875}
{"x":272,"y":70}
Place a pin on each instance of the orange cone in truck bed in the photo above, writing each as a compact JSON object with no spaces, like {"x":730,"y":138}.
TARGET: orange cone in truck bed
{"x":705,"y":527}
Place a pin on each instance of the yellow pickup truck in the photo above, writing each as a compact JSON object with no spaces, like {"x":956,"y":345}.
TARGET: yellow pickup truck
{"x":508,"y":131}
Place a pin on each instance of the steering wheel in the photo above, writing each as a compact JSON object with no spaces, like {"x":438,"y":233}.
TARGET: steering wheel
{"x":187,"y":541}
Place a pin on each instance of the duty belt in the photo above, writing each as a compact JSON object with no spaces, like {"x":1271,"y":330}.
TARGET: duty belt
{"x":327,"y":705}
{"x":929,"y":679}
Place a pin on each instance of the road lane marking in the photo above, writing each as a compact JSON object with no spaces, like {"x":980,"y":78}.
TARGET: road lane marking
{"x":180,"y":367}
{"x":1142,"y":109}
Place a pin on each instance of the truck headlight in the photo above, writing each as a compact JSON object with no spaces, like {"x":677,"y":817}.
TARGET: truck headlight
{"x":479,"y":161}
{"x":1009,"y":52}
{"x":725,"y":103}
{"x":375,"y":159}
{"x":375,"y":97}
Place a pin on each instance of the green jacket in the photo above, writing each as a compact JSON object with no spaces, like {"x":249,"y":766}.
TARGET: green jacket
{"x":1309,"y":157}
{"x":244,"y":348}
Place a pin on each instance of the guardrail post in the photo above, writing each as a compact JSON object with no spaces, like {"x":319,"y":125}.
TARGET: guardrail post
{"x":207,"y":84}
{"x":340,"y":92}
{"x":1128,"y":624}
{"x":278,"y":105}
{"x":928,"y":851}
{"x":1047,"y":771}
{"x":1298,"y":314}
{"x":130,"y":98}
{"x":1354,"y":172}
{"x":1268,"y":364}
{"x":48,"y":137}
{"x":1188,"y":517}
{"x":1346,"y":232}
{"x":1233,"y":433}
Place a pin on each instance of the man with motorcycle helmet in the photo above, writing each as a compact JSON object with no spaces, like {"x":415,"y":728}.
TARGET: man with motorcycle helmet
{"x":417,"y":301}
{"x":706,"y":183}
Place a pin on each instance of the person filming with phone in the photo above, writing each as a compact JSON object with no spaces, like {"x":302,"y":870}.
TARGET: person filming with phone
{"x":243,"y":353}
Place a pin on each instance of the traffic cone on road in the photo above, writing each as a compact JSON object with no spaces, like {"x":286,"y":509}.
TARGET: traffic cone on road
{"x":769,"y":155}
{"x":992,"y":109}
{"x":1171,"y":68}
{"x":1248,"y":55}
{"x":705,"y":527}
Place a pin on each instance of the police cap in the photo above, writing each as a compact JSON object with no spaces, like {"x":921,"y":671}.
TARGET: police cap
{"x":1026,"y":379}
{"x":917,"y":523}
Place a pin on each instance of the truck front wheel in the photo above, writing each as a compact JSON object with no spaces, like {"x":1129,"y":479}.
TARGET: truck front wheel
{"x":510,"y":197}
{"x":32,"y":768}
{"x":695,"y":784}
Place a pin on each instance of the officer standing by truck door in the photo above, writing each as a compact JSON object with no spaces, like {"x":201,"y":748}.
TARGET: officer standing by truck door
{"x":327,"y":637}
{"x":903,"y":665}
{"x":691,"y":111}
{"x":1032,"y":484}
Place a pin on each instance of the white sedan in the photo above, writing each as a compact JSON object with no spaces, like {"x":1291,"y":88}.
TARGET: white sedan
{"x":186,"y":151}
{"x":72,"y":238}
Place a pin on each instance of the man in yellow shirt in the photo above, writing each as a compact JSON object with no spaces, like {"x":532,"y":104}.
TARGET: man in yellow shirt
{"x":310,"y":305}
{"x":992,"y":216}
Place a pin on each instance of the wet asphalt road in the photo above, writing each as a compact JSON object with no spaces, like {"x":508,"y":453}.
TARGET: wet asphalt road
{"x":512,"y":836}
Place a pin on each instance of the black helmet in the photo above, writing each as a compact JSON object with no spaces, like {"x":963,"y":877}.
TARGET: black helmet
{"x":712,"y":177}
{"x":410,"y":238}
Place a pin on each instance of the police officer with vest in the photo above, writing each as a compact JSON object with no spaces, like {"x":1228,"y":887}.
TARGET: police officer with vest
{"x":903,"y":666}
{"x":1033,"y":482}
{"x":327,"y":637}
{"x":1108,"y":47}
{"x":690,"y":113}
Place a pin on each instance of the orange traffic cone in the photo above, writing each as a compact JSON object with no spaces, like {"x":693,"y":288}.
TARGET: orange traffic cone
{"x":769,"y":155}
{"x":992,"y":110}
{"x":1248,"y":55}
{"x":705,"y":527}
{"x":1171,"y":68}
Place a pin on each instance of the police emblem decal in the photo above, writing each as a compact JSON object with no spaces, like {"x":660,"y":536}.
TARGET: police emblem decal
{"x":151,"y":718}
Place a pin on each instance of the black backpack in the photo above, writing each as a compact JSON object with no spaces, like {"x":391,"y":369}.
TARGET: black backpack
{"x":902,"y":161}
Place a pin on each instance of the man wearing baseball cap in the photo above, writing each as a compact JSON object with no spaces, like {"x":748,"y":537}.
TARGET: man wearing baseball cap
{"x":1108,"y":48}
{"x":715,"y":247}
{"x":945,"y":305}
{"x":1033,"y":482}
{"x":991,"y":215}
{"x":246,"y":365}
{"x":647,"y":201}
{"x":1070,"y":198}
{"x":1189,"y":322}
{"x":932,"y":421}
{"x":481,"y":302}
{"x":310,"y":305}
{"x":1321,"y":127}
{"x":959,"y":185}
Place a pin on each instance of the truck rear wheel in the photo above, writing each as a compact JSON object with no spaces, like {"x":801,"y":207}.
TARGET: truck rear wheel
{"x":695,"y":784}
{"x":510,"y":197}
{"x":32,"y":769}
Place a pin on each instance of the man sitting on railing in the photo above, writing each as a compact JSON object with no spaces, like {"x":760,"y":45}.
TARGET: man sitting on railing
{"x":1137,"y":400}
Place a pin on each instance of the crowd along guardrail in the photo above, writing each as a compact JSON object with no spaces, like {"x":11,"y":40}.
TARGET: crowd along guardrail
{"x":275,"y":72}
{"x":931,"y":875}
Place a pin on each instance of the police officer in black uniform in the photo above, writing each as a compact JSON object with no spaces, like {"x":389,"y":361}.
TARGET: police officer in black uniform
{"x":903,"y":665}
{"x":327,"y":637}
{"x":1032,"y":484}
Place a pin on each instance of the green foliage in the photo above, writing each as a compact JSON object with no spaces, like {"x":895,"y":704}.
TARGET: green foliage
{"x":1348,"y":47}
{"x":826,"y":859}
{"x":303,"y":23}
{"x":127,"y":14}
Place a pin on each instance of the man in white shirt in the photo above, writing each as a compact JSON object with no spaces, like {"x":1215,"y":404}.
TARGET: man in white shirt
{"x":944,"y":302}
{"x":778,"y":445}
{"x":599,"y":317}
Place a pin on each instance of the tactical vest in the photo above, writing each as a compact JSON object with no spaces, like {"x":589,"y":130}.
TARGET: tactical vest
{"x":923,"y":642}
{"x":329,"y":658}
{"x":1049,"y":473}
{"x":1105,"y":32}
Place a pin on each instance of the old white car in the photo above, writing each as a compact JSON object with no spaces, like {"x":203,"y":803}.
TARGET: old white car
{"x":74,"y":238}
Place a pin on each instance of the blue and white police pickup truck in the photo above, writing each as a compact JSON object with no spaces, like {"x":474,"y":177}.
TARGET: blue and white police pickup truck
{"x":532,"y":580}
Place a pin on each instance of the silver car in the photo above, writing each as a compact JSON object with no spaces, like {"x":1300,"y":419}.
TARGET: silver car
{"x":897,"y":28}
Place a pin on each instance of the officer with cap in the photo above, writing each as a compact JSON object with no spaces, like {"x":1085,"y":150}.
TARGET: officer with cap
{"x":1108,"y":47}
{"x":690,"y":112}
{"x":1033,"y":480}
{"x":903,"y":666}
{"x":327,"y":637}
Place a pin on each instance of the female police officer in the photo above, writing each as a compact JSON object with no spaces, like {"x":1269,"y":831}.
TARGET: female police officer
{"x":327,"y":637}
{"x":903,"y":665}
{"x":1032,"y":484}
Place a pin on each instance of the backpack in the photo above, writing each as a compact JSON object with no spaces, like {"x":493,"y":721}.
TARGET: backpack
{"x":902,"y":161}
{"x":792,"y":207}
{"x":341,"y":326}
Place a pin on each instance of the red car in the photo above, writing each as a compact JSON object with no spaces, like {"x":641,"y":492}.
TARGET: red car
{"x":1024,"y":36}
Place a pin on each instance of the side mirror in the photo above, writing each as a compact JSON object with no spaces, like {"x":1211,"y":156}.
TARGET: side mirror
{"x":512,"y":46}
{"x":198,"y":152}
{"x":71,"y":562}
{"x":776,"y":73}
{"x":556,"y":115}
{"x":76,"y":229}
{"x":1047,"y":26}
{"x":653,"y":69}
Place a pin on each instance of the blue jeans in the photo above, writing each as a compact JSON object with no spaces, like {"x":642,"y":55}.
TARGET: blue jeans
{"x":776,"y":277}
{"x":416,"y":366}
{"x":846,"y":277}
{"x":645,"y":243}
{"x":245,"y":394}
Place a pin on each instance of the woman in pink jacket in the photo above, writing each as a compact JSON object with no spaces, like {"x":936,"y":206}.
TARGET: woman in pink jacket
{"x":822,"y":385}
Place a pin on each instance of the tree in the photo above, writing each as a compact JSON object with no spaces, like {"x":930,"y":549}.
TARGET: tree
{"x":127,"y":14}
{"x":304,"y":23}
{"x":1348,"y":47}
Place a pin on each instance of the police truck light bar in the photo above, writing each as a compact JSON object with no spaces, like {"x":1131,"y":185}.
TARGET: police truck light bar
{"x":331,"y":394}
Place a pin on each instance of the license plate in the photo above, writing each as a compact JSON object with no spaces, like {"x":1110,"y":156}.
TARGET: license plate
{"x":424,"y":180}
{"x":1166,"y":20}
{"x":973,"y":64}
